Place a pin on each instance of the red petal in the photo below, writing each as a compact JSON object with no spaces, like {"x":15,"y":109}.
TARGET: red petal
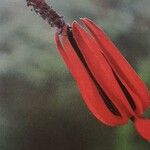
{"x":87,"y":88}
{"x":120,"y":65}
{"x":62,"y":52}
{"x":143,"y":127}
{"x":100,"y":67}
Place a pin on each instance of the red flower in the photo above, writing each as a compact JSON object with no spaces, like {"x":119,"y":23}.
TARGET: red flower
{"x":110,"y":87}
{"x":112,"y":90}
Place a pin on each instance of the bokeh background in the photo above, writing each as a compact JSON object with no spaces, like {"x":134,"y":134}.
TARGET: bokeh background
{"x":40,"y":105}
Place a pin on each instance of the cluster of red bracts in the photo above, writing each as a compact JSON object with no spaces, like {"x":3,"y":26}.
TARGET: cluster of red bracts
{"x":110,"y":87}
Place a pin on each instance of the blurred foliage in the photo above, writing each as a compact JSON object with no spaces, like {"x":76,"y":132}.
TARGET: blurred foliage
{"x":40,"y":105}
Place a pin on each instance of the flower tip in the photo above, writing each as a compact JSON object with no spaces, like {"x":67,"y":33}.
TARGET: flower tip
{"x":76,"y":26}
{"x":85,"y":20}
{"x":75,"y":23}
{"x":143,"y":127}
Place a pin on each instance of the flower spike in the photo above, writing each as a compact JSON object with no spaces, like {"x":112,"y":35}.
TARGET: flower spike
{"x":110,"y":87}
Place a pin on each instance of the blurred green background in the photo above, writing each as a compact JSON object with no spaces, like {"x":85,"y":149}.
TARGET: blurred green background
{"x":40,"y":105}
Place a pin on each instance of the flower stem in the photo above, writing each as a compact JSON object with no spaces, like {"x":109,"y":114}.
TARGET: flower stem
{"x":47,"y":13}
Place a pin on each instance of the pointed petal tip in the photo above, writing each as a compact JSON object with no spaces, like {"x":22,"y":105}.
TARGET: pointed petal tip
{"x":76,"y":27}
{"x":75,"y":24}
{"x":143,"y":127}
{"x":88,"y":23}
{"x":85,"y":20}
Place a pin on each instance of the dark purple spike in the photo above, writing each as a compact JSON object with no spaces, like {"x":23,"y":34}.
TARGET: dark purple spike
{"x":47,"y":13}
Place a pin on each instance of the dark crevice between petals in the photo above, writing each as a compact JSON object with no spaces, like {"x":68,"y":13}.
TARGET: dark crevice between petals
{"x":105,"y":98}
{"x":125,"y":91}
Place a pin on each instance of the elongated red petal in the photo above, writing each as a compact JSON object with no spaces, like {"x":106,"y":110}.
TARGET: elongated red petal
{"x":100,"y":67}
{"x":120,"y":65}
{"x":87,"y":88}
{"x":143,"y":127}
